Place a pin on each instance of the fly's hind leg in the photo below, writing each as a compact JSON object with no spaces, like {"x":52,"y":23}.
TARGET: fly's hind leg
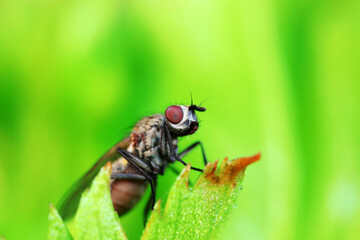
{"x":143,"y":168}
{"x":149,"y":206}
{"x":150,"y":202}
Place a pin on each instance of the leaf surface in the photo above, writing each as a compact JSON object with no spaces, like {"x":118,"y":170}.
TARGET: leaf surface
{"x":96,"y":217}
{"x":199,"y":213}
{"x":57,"y":229}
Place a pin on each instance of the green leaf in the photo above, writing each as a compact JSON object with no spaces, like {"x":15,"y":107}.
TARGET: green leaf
{"x":96,"y":217}
{"x":199,"y":213}
{"x":57,"y":229}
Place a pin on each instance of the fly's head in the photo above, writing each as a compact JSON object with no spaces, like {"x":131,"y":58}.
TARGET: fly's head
{"x":182,"y":120}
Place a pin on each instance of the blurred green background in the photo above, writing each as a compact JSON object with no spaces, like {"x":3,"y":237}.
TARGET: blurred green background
{"x":280,"y":77}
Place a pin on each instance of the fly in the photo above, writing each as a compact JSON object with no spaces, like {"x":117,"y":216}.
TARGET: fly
{"x":138,"y":159}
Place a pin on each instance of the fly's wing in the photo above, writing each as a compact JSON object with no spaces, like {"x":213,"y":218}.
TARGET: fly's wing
{"x":70,"y":201}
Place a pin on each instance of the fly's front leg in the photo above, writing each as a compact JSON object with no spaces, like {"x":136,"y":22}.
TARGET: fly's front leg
{"x":171,"y":153}
{"x":191,"y":147}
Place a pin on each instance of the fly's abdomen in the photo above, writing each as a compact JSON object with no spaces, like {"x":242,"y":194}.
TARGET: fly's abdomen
{"x":126,"y":193}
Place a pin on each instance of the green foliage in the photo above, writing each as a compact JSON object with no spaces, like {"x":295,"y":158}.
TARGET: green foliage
{"x":197,"y":213}
{"x":280,"y":76}
{"x":95,"y":217}
{"x":57,"y":229}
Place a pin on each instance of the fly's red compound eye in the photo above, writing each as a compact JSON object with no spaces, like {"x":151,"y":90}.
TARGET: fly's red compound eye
{"x":174,"y":114}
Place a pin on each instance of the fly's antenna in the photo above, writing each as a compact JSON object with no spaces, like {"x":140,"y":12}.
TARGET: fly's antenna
{"x":195,"y":107}
{"x":206,"y":99}
{"x":191,"y":98}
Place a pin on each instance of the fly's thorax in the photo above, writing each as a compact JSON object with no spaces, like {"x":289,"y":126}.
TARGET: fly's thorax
{"x":145,"y":139}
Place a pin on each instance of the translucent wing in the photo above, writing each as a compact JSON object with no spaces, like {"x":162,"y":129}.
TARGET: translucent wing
{"x":69,"y":202}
